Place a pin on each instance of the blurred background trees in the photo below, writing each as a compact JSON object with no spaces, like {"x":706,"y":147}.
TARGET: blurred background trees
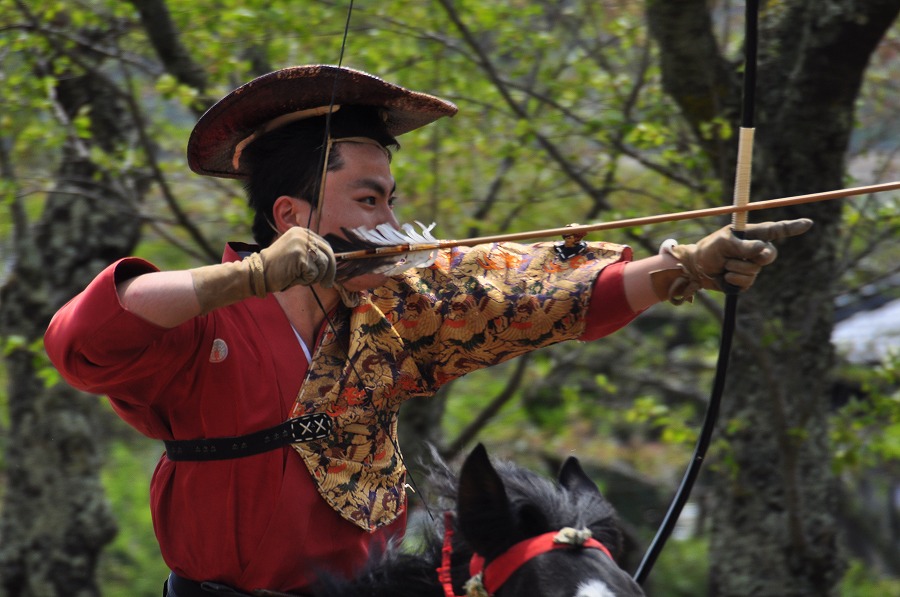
{"x":570,"y":111}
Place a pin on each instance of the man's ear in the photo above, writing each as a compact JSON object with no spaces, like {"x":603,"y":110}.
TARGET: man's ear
{"x":288,"y":212}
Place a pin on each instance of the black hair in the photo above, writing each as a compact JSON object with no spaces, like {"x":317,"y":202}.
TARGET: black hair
{"x":288,"y":160}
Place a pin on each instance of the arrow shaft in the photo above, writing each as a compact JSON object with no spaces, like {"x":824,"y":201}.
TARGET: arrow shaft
{"x":626,"y":223}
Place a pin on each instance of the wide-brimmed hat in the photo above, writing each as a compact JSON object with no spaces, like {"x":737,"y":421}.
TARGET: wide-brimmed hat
{"x":289,"y":94}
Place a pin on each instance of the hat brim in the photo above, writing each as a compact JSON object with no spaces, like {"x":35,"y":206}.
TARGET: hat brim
{"x":247,"y":109}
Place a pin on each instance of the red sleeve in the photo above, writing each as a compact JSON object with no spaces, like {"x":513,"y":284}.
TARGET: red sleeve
{"x":100,"y":347}
{"x":609,"y":309}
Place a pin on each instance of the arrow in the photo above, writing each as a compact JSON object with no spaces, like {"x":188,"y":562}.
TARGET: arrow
{"x":382,"y":251}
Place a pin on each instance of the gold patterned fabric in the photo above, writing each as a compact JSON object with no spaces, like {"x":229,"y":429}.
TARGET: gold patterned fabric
{"x":473,"y":308}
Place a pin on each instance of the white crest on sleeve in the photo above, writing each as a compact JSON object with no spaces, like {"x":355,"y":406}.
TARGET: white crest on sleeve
{"x":219,"y":351}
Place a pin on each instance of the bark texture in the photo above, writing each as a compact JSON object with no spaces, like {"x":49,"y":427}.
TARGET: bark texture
{"x":55,"y":519}
{"x":774,"y":521}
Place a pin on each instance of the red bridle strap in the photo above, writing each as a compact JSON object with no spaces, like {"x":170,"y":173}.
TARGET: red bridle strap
{"x":499,"y":570}
{"x":446,"y":551}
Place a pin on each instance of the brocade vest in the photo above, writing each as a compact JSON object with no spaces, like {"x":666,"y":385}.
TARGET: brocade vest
{"x":473,"y":308}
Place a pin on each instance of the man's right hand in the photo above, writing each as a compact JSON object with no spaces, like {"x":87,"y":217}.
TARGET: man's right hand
{"x":299,"y":256}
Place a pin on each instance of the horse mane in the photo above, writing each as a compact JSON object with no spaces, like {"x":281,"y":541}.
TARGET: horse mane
{"x":391,"y":572}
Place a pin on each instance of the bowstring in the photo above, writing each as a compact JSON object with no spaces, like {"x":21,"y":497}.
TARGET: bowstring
{"x":325,"y":154}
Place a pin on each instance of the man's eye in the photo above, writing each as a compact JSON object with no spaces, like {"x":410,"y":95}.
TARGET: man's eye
{"x":368,"y":200}
{"x":392,"y":201}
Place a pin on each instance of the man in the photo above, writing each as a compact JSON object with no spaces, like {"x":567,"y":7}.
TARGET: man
{"x":216,"y":360}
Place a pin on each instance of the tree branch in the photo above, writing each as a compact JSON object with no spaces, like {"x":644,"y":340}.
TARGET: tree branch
{"x":474,"y":428}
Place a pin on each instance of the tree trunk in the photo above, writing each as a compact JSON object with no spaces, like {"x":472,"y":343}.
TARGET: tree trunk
{"x":55,"y":518}
{"x":774,"y":525}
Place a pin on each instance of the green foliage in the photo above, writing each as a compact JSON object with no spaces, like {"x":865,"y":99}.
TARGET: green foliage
{"x":45,"y":371}
{"x":169,"y":88}
{"x":4,"y":423}
{"x":131,"y":566}
{"x":861,"y":581}
{"x":672,"y":423}
{"x":681,"y":570}
{"x":474,"y":390}
{"x":866,"y":431}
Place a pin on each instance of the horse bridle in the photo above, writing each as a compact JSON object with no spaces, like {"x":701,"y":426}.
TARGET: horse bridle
{"x":485,"y":581}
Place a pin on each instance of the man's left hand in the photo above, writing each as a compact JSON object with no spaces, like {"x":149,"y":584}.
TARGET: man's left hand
{"x":722,"y":257}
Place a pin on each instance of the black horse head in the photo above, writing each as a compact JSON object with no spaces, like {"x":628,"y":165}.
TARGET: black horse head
{"x":503,"y":507}
{"x":527,"y":535}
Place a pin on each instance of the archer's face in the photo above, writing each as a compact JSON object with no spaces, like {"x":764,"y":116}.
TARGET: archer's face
{"x":361,"y":193}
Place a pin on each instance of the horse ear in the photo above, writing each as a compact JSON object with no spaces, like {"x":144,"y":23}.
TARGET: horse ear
{"x":573,"y":478}
{"x":605,"y":526}
{"x":482,"y":503}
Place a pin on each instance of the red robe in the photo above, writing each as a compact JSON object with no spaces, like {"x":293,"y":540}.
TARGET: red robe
{"x":254,"y":522}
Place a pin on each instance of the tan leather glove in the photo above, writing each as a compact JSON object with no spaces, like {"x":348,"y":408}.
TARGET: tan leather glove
{"x":299,"y":256}
{"x":723,"y":257}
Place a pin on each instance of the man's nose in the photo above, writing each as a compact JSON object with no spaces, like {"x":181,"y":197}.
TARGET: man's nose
{"x":389,"y":217}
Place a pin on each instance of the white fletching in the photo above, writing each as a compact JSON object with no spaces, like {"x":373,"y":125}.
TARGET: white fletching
{"x":386,"y":235}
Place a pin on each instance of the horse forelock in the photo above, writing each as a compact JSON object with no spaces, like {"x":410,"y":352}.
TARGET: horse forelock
{"x":600,"y":517}
{"x":560,"y":507}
